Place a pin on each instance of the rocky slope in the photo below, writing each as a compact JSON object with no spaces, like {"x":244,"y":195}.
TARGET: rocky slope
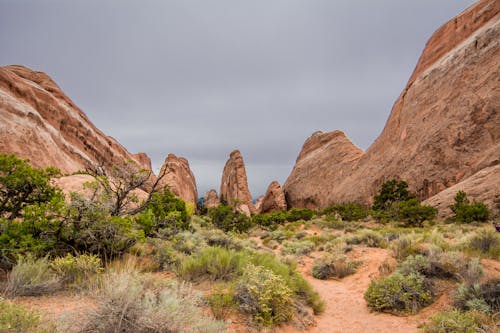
{"x":234,"y":185}
{"x":211,"y":199}
{"x":40,"y":123}
{"x":179,"y":178}
{"x":443,"y":129}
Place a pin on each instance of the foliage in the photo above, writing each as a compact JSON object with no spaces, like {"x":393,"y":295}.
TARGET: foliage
{"x":398,"y":293}
{"x":21,"y":185}
{"x":454,"y":321}
{"x":265,"y":296}
{"x":392,"y":191}
{"x":165,"y":212}
{"x":215,"y":263}
{"x":226,"y":218}
{"x":367,"y":237}
{"x":348,"y":211}
{"x":16,"y":319}
{"x":273,"y":219}
{"x":297,"y":214}
{"x":31,"y":277}
{"x":483,"y":297}
{"x":414,"y":213}
{"x":221,"y":303}
{"x":299,"y":248}
{"x":76,"y":270}
{"x":333,"y":266}
{"x":486,"y":243}
{"x":126,"y":304}
{"x":467,"y":212}
{"x":165,"y":255}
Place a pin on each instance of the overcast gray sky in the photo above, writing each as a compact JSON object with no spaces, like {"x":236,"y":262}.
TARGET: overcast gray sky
{"x":200,"y":78}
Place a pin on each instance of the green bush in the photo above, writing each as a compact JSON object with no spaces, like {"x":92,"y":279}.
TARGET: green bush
{"x":414,"y":213}
{"x":391,"y":192}
{"x":166,"y":256}
{"x":126,"y":304}
{"x":486,"y":243}
{"x":221,"y":303}
{"x":369,"y":238}
{"x":76,"y":270}
{"x":333,"y":266}
{"x":467,"y":212}
{"x":297,"y":214}
{"x":31,"y":277}
{"x":348,"y":211}
{"x":299,"y":248}
{"x":405,"y":246}
{"x":214,"y":263}
{"x":484,"y":297}
{"x":224,"y":217}
{"x":399,"y":293}
{"x":454,"y":322}
{"x":16,"y":319}
{"x":265,"y":296}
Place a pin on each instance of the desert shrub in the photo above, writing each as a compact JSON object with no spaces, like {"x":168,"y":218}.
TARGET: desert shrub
{"x":126,"y":304}
{"x":405,"y":246}
{"x":166,"y":256}
{"x":271,"y":219}
{"x":483,"y":297}
{"x":272,"y":244}
{"x":31,"y":277}
{"x":337,"y":246}
{"x":221,"y":303}
{"x":297,"y":248}
{"x":164,"y":214}
{"x":485,"y":243}
{"x":297,"y":214}
{"x":76,"y":270}
{"x":454,"y":321}
{"x":333,"y":266}
{"x":413,"y":213}
{"x":187,"y":242}
{"x":467,"y":212}
{"x":278,"y":235}
{"x":348,"y":211}
{"x":387,"y":267}
{"x":216,"y":237}
{"x":367,"y":237}
{"x":415,"y":264}
{"x":391,"y":192}
{"x":301,"y":234}
{"x":399,"y":293}
{"x":17,"y":319}
{"x":214,"y":263}
{"x":224,"y":217}
{"x":265,"y":296}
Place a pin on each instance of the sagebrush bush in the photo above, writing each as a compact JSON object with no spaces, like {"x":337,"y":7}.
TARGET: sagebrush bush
{"x":76,"y":270}
{"x":214,"y":263}
{"x":221,"y":303}
{"x":265,"y":296}
{"x":454,"y":321}
{"x":17,"y":319}
{"x":399,"y":293}
{"x":165,"y":256}
{"x":338,"y":266}
{"x":298,"y":248}
{"x":348,"y":211}
{"x":405,"y":246}
{"x":369,"y":238}
{"x":485,"y":243}
{"x":484,"y":297}
{"x":31,"y":277}
{"x":126,"y":304}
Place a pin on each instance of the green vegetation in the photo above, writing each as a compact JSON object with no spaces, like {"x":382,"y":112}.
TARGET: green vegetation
{"x":467,"y":212}
{"x":273,"y":219}
{"x":337,"y":266}
{"x":348,"y":211}
{"x":16,"y":319}
{"x":391,"y":192}
{"x":455,"y":322}
{"x":226,"y":218}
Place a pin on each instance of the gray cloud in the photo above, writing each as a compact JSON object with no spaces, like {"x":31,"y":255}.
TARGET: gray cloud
{"x":200,"y":78}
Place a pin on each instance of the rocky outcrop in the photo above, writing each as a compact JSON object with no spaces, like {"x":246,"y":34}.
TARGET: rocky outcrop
{"x":234,"y":185}
{"x":179,"y":178}
{"x":211,"y":199}
{"x":258,"y":204}
{"x":274,"y":200}
{"x":483,"y":186}
{"x":40,"y":123}
{"x":443,"y":129}
{"x":324,"y":161}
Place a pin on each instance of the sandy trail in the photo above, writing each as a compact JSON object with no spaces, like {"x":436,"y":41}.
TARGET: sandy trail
{"x":346,"y":309}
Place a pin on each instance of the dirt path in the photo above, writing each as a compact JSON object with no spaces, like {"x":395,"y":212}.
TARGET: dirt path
{"x":346,"y":309}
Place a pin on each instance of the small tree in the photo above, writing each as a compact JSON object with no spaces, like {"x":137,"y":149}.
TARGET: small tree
{"x":22,"y":185}
{"x":392,"y":191}
{"x":465,"y":211}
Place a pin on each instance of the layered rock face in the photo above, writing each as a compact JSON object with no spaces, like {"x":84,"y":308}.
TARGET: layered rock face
{"x":274,"y":200}
{"x":211,"y":199}
{"x":443,"y":129}
{"x":234,"y":185}
{"x":40,"y":123}
{"x":179,"y":178}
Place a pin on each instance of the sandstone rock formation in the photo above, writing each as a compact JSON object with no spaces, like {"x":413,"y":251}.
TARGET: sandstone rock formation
{"x":274,"y":200}
{"x":258,"y":204}
{"x":179,"y":178}
{"x":234,"y":185}
{"x":443,"y":129}
{"x":40,"y":123}
{"x":211,"y":199}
